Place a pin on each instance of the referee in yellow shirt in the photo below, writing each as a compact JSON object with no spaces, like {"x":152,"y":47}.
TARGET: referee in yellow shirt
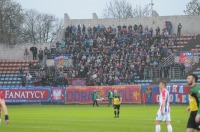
{"x":116,"y":101}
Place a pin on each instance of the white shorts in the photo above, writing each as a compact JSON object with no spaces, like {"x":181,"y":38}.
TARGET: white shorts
{"x":165,"y":117}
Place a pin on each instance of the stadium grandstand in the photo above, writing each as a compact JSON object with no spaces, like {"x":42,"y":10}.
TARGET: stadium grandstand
{"x":91,"y":60}
{"x":108,"y":55}
{"x":100,"y":74}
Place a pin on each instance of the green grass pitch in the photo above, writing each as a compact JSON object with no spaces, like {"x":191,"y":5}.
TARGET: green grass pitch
{"x":85,"y":118}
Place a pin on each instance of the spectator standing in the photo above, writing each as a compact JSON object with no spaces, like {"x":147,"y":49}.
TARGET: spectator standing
{"x":26,"y":53}
{"x":46,"y":52}
{"x":179,"y":29}
{"x":28,"y":79}
{"x":157,"y":31}
{"x":40,"y":56}
{"x":151,"y":31}
{"x":34,"y":51}
{"x":20,"y":71}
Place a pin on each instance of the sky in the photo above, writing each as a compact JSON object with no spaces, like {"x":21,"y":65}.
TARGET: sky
{"x":83,"y":9}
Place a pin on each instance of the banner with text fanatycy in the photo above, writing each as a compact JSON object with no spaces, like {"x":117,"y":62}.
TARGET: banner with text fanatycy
{"x":26,"y":95}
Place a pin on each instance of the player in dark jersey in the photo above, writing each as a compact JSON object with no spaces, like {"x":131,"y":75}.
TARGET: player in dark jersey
{"x":194,"y":107}
{"x":116,"y":103}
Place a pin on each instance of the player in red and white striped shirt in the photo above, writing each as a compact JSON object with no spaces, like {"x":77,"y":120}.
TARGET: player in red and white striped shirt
{"x":4,"y":107}
{"x":163,"y":113}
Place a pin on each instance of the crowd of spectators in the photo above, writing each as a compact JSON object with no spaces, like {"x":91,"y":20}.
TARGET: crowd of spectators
{"x":108,"y":55}
{"x":44,"y":76}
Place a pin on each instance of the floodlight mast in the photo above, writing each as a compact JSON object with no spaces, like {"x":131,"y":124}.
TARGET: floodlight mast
{"x":151,"y":4}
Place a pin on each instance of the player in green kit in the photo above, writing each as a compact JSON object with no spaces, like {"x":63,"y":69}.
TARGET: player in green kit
{"x":116,"y":103}
{"x":194,"y":104}
{"x":110,"y":96}
{"x":94,"y":98}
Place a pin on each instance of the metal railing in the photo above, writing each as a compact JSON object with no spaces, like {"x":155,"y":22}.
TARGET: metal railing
{"x":191,"y":63}
{"x":168,"y":61}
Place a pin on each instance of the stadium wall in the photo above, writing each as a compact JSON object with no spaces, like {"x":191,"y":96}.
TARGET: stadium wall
{"x":190,"y":24}
{"x":16,"y":52}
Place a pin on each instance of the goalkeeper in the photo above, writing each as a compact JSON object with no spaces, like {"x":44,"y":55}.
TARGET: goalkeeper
{"x":116,"y":103}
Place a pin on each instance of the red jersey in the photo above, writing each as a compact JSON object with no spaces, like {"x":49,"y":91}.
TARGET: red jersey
{"x":164,"y":94}
{"x":1,"y":96}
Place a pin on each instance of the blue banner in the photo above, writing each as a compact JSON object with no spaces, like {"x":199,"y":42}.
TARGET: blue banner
{"x":63,"y":60}
{"x":33,"y":94}
{"x":178,"y":93}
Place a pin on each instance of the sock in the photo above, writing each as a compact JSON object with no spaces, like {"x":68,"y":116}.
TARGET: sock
{"x":169,"y":128}
{"x":157,"y":128}
{"x":118,"y":113}
{"x":115,"y":113}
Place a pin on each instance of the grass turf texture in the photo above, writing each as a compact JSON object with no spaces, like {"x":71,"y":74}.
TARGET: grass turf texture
{"x":85,"y":118}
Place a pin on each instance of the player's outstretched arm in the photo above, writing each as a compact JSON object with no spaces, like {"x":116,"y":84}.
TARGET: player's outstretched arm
{"x":120,"y":100}
{"x":187,"y":109}
{"x":3,"y":104}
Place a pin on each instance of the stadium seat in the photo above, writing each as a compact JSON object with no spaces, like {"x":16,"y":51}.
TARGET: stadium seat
{"x":7,"y":75}
{"x":9,"y":68}
{"x":10,"y":65}
{"x":1,"y":68}
{"x":15,"y":65}
{"x":3,"y":75}
{"x":11,"y":75}
{"x":12,"y":72}
{"x":9,"y":82}
{"x":3,"y":61}
{"x":15,"y":78}
{"x":13,"y":82}
{"x":16,"y":75}
{"x":19,"y":64}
